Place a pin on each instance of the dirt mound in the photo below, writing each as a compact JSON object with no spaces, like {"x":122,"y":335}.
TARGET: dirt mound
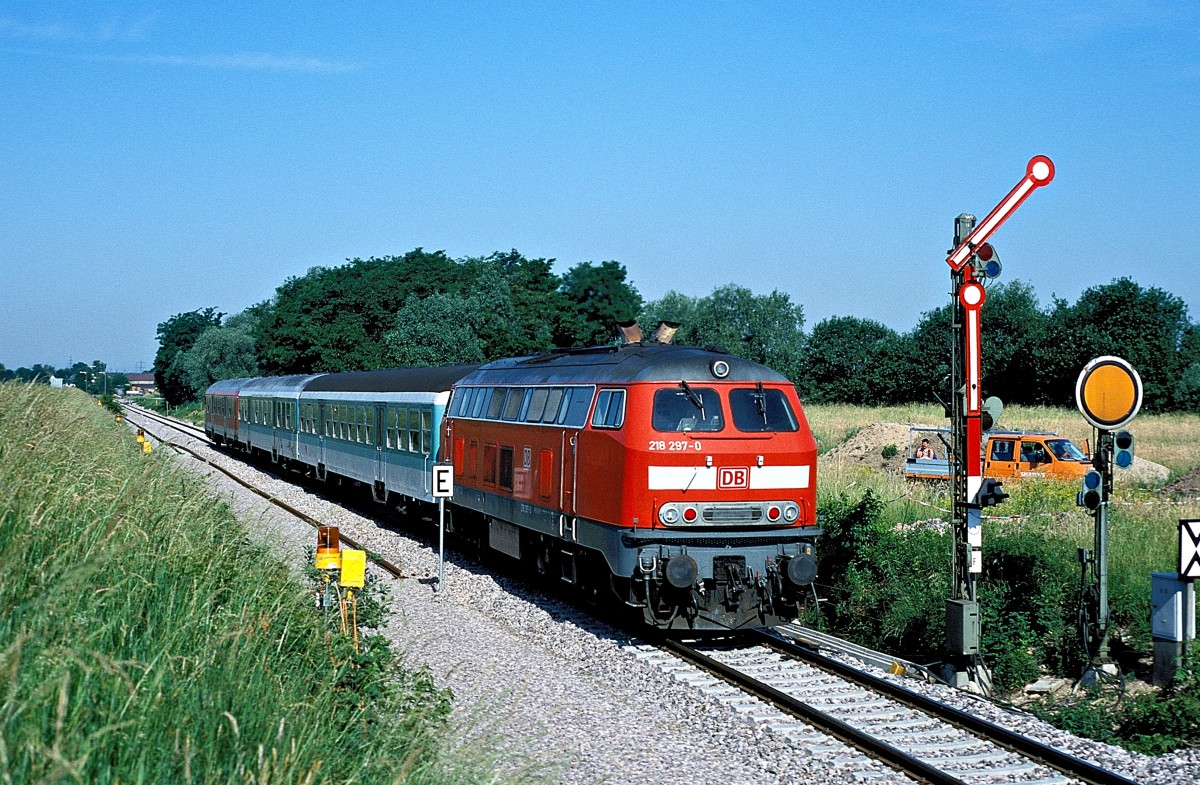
{"x":867,"y":447}
{"x":1187,"y":485}
{"x":1142,"y":472}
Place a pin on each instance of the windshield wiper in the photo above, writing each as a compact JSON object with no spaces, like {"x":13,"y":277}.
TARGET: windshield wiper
{"x":694,"y":397}
{"x":761,"y":400}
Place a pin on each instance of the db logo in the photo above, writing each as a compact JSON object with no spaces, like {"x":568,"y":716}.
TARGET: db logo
{"x":733,"y":478}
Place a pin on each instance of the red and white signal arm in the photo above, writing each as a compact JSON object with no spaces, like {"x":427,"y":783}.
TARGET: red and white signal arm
{"x":443,"y":480}
{"x":1038,"y":172}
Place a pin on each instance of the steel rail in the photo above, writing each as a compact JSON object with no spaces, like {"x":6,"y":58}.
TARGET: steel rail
{"x":1011,"y":740}
{"x":385,"y":565}
{"x":913,"y":767}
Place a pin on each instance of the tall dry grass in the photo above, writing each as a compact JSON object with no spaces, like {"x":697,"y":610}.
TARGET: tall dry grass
{"x":144,"y":639}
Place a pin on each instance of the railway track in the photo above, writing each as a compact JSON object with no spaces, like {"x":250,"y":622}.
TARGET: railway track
{"x":198,"y":433}
{"x":819,"y":702}
{"x":811,"y":699}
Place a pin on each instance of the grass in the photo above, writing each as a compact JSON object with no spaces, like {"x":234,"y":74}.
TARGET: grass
{"x":144,"y":639}
{"x":886,"y":572}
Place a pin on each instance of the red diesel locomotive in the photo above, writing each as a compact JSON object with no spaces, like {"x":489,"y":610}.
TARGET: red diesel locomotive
{"x":681,"y":479}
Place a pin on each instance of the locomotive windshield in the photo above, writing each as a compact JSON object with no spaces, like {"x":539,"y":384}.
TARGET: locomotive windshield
{"x":687,"y":408}
{"x":756,"y":409}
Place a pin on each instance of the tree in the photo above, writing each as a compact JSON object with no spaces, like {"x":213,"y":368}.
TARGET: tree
{"x":225,"y":352}
{"x":1144,"y":326}
{"x":764,"y":328}
{"x":602,"y":299}
{"x":847,"y":361}
{"x":1014,"y":329}
{"x":334,"y":319}
{"x":440,"y":329}
{"x":175,"y":336}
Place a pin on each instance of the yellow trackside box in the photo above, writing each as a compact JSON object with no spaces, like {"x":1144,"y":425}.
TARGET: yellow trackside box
{"x":354,"y":569}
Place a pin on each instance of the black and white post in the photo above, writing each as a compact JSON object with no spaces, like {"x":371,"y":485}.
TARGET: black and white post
{"x":443,"y":488}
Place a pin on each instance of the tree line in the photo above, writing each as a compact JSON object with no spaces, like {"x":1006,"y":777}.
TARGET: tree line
{"x":425,"y":308}
{"x":95,"y":379}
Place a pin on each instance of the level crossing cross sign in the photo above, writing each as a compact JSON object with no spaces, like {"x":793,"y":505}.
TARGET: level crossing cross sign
{"x":1189,"y":549}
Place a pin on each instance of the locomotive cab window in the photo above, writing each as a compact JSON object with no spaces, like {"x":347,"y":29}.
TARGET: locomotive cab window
{"x":610,"y":409}
{"x":686,"y":408}
{"x":756,"y":409}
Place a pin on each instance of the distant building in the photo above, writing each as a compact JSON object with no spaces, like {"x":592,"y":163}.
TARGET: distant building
{"x":140,"y":384}
{"x":55,"y":381}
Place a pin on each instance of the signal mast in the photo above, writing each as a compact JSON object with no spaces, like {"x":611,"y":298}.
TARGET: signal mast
{"x":970,"y":260}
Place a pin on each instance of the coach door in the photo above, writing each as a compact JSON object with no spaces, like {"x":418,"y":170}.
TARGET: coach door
{"x":379,"y":417}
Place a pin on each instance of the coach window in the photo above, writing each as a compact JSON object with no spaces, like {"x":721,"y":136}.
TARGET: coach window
{"x":414,"y":431}
{"x":756,"y":409}
{"x":575,"y":408}
{"x":426,"y":431}
{"x":370,"y":413}
{"x":686,"y":408}
{"x":512,"y":405}
{"x":610,"y":409}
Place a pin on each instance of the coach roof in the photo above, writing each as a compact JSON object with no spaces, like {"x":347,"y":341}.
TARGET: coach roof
{"x":637,"y":362}
{"x":438,"y":379}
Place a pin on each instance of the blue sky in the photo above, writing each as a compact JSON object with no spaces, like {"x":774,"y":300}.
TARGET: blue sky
{"x":162,"y":157}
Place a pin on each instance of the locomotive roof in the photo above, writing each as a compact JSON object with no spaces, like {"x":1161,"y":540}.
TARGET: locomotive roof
{"x":635,"y":362}
{"x":438,"y":379}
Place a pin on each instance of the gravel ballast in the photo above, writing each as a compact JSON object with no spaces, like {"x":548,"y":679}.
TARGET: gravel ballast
{"x":551,"y":693}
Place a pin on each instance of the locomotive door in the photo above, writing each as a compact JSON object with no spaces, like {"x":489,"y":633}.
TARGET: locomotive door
{"x":567,"y":486}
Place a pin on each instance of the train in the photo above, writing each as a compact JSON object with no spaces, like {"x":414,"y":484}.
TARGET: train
{"x":674,"y":483}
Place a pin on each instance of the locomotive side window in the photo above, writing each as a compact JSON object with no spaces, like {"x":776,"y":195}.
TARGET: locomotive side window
{"x":610,"y":409}
{"x":478,"y":401}
{"x":496,"y":403}
{"x":553,"y":404}
{"x":512,"y":406}
{"x":757,"y":410}
{"x":537,"y":404}
{"x":687,"y":408}
{"x":575,"y":408}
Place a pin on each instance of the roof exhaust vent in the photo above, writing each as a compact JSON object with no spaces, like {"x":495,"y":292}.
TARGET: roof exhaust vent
{"x":630,"y":332}
{"x":666,"y":331}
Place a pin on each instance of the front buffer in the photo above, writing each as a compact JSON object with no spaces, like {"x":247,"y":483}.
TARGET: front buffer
{"x":717,"y":581}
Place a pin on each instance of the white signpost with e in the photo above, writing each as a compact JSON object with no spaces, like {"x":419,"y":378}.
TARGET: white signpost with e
{"x":443,"y":488}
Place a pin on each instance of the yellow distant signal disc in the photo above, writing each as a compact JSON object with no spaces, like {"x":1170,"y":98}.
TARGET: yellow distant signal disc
{"x":1108,"y":392}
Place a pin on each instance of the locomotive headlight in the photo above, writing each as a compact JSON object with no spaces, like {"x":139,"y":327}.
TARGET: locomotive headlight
{"x":719,"y":368}
{"x":791,"y":512}
{"x":668,"y":514}
{"x":773,"y":513}
{"x":689,"y":514}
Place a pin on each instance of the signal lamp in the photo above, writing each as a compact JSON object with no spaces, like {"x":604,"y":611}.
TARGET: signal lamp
{"x":689,"y":514}
{"x":1090,"y":495}
{"x":773,"y":513}
{"x":1123,"y":449}
{"x":989,"y":493}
